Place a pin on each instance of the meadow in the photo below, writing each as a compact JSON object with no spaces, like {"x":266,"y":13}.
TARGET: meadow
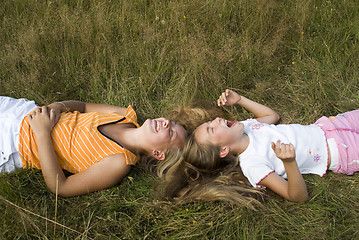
{"x":298,"y":57}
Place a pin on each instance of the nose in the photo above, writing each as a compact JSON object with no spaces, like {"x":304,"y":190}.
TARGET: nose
{"x":217,"y":120}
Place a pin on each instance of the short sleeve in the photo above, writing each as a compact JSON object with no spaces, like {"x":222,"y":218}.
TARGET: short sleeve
{"x":256,"y":170}
{"x":131,"y":116}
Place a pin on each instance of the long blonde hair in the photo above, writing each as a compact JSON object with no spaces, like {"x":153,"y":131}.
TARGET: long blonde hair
{"x":190,"y":117}
{"x":196,"y":172}
{"x":201,"y":175}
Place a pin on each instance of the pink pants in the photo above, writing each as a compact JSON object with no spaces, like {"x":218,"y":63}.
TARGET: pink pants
{"x":344,"y":128}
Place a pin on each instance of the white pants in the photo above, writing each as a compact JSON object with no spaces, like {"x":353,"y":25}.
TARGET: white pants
{"x":12,"y":111}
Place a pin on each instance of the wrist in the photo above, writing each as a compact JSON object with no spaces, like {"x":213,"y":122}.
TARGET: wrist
{"x":289,"y":160}
{"x":63,"y":107}
{"x":42,"y":135}
{"x":238,"y":100}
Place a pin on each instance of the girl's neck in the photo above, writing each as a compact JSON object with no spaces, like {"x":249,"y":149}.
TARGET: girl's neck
{"x":125,"y":134}
{"x":241,"y":145}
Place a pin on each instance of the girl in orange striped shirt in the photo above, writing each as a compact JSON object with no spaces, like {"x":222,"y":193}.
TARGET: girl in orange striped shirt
{"x":96,"y":142}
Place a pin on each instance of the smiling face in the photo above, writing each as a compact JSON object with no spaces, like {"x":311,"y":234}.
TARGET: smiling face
{"x":163,"y":134}
{"x":219,"y":132}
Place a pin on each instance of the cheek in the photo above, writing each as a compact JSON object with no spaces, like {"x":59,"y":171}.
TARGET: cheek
{"x":216,"y":138}
{"x":161,"y":137}
{"x":221,"y":137}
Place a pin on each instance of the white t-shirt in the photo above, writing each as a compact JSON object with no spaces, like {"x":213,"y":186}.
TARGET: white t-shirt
{"x":259,"y":159}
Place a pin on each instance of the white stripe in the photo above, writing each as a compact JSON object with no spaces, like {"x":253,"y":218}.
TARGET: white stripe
{"x":68,"y":145}
{"x":85,"y":119}
{"x":110,"y":142}
{"x":92,"y":137}
{"x":64,"y":161}
{"x":73,"y":147}
{"x":33,"y":140}
{"x":89,"y":158}
{"x":116,"y":148}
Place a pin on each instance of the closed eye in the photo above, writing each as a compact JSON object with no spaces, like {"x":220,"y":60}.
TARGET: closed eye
{"x":210,"y":130}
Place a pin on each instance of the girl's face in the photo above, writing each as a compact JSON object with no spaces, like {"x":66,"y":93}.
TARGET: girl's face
{"x":219,"y":132}
{"x":162,"y":134}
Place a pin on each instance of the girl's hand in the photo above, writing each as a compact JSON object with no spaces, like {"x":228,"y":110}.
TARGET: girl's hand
{"x":42,"y":121}
{"x":228,"y":98}
{"x":57,"y":108}
{"x":285,"y":152}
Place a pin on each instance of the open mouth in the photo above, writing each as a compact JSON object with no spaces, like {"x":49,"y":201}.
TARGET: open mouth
{"x":157,"y":125}
{"x":231,"y":123}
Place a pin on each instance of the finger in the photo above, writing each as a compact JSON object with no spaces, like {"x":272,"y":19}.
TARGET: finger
{"x":44,"y":110}
{"x":277,"y":147}
{"x":224,"y":97}
{"x":291,"y":147}
{"x":52,"y":115}
{"x":227,"y":92}
{"x":273,"y":146}
{"x":286,"y":147}
{"x":219,"y":101}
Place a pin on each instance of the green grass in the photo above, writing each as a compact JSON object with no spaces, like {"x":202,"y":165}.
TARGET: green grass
{"x":298,"y":57}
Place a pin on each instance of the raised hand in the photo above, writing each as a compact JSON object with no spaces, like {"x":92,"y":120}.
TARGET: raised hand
{"x":285,"y":152}
{"x":228,"y":98}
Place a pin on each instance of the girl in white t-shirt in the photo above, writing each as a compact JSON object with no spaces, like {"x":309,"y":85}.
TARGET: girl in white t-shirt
{"x":273,"y":156}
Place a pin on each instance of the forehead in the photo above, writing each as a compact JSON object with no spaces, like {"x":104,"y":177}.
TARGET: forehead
{"x":181,"y":135}
{"x":201,"y":134}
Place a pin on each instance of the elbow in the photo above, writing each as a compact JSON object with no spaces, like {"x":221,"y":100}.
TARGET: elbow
{"x":302,"y":200}
{"x":62,"y":194}
{"x":57,"y":192}
{"x":299,"y":199}
{"x":276,"y":117}
{"x":61,"y":191}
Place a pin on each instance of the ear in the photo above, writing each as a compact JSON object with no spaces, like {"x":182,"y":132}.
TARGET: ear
{"x":159,"y":155}
{"x":224,"y":151}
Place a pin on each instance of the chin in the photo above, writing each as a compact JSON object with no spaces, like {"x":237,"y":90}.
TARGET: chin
{"x":147,"y":122}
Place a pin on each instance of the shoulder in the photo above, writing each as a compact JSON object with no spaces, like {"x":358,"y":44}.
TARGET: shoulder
{"x":130,"y":115}
{"x":253,"y":122}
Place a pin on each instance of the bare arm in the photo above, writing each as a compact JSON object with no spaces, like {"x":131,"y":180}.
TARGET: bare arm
{"x":103,"y":174}
{"x":72,"y":105}
{"x":263,"y":113}
{"x":295,"y":188}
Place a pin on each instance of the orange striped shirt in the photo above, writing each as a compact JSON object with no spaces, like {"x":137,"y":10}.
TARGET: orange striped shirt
{"x":78,"y":143}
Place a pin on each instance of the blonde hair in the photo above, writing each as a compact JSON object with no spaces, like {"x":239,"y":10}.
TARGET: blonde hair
{"x":196,"y":172}
{"x":190,"y":117}
{"x":201,"y":175}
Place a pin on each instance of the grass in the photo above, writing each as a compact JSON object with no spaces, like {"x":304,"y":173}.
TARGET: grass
{"x":298,"y":57}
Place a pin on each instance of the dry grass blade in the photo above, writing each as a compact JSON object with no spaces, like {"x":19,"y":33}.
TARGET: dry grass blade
{"x":39,"y":216}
